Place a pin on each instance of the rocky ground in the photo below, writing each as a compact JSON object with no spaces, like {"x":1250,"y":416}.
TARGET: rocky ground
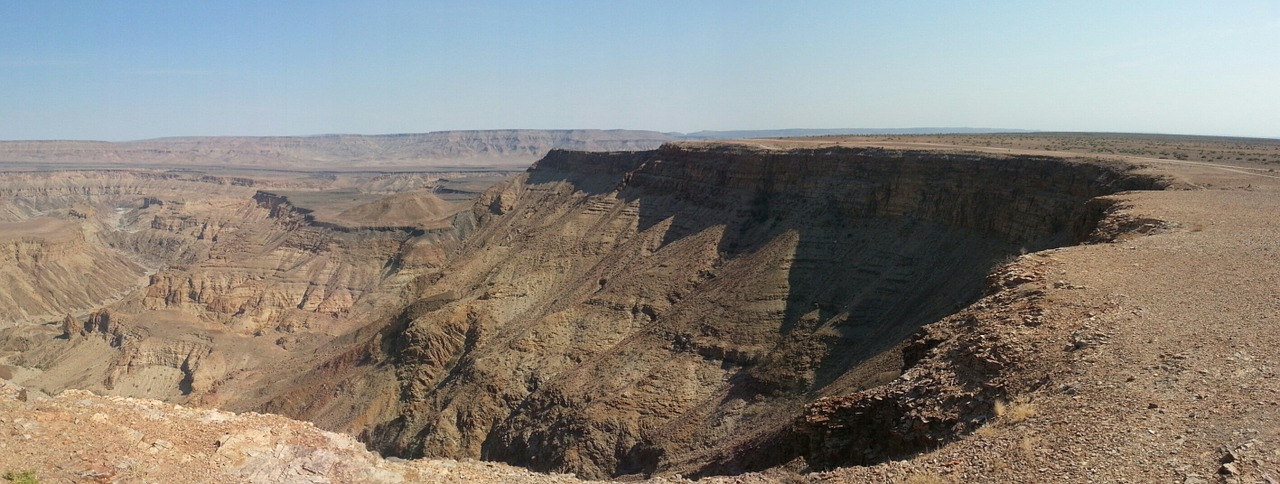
{"x":81,"y":437}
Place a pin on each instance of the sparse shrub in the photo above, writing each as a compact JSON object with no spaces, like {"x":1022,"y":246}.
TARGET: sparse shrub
{"x":21,"y":477}
{"x":1016,"y":411}
{"x":1029,"y":445}
{"x":986,"y":431}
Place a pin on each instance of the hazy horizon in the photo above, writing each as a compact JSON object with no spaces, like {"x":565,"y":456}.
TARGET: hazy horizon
{"x":782,"y":131}
{"x":118,"y":71}
{"x":924,"y":131}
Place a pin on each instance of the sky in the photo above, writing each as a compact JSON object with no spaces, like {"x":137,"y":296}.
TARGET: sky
{"x":124,"y":70}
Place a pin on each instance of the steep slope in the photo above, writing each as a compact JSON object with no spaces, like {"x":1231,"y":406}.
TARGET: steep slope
{"x":618,"y":313}
{"x":50,"y":267}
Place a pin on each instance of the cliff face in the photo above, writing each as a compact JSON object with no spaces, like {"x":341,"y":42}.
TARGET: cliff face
{"x":617,"y":313}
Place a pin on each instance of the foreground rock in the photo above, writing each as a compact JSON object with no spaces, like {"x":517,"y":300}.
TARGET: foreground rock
{"x":81,"y":437}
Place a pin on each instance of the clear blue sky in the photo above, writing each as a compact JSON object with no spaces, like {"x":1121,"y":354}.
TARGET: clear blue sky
{"x":140,"y":69}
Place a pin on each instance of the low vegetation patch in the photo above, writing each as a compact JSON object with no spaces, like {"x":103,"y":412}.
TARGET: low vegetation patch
{"x":1015,"y":411}
{"x":21,"y":477}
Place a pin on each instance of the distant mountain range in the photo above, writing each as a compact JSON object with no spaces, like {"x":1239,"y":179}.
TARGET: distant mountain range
{"x":791,"y":133}
{"x":486,"y":149}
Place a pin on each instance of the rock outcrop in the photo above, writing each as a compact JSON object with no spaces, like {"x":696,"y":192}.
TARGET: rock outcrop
{"x":78,"y":436}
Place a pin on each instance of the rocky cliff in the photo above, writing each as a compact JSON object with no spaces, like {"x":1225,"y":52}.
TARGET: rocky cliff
{"x":620,"y":313}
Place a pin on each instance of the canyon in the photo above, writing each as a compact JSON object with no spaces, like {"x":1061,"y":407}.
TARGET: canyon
{"x":666,"y":318}
{"x":811,"y":308}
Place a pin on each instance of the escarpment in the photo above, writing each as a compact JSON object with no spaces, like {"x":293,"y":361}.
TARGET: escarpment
{"x":621,"y":313}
